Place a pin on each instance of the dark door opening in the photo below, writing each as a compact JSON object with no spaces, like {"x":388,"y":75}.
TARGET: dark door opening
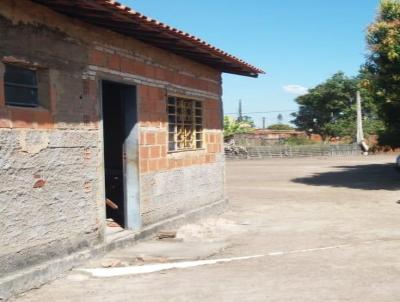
{"x":119,"y":119}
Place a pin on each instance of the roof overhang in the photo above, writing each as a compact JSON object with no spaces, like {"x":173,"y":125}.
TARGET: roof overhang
{"x":116,"y":17}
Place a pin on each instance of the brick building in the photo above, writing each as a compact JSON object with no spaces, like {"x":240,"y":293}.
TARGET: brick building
{"x":265,"y":137}
{"x":98,"y":101}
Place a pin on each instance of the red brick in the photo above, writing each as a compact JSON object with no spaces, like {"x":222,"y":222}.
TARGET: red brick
{"x":179,"y":163}
{"x":31,"y":118}
{"x":142,"y":139}
{"x":138,"y":68}
{"x":39,"y":184}
{"x":212,"y":138}
{"x":149,"y":71}
{"x":44,"y":119}
{"x":171,"y":163}
{"x":97,"y":58}
{"x":164,"y":151}
{"x":210,"y":148}
{"x":154,"y":119}
{"x":155,"y":151}
{"x":5,"y":118}
{"x":202,"y":159}
{"x":164,"y":121}
{"x":160,"y":107}
{"x":160,"y":74}
{"x":126,"y":65}
{"x":161,"y":138}
{"x":143,"y":92}
{"x":114,"y":61}
{"x":153,"y":93}
{"x":210,"y":158}
{"x":150,"y":138}
{"x":214,"y":88}
{"x":147,"y":105}
{"x":144,"y":152}
{"x":22,"y":118}
{"x":153,"y":165}
{"x":162,"y":163}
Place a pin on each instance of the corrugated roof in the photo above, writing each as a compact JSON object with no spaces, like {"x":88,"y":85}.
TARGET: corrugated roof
{"x":122,"y":19}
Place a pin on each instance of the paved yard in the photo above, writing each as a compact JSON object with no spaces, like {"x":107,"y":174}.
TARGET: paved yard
{"x":319,"y":230}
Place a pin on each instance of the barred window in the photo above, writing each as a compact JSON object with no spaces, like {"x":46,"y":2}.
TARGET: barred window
{"x":21,"y":87}
{"x":185,"y":124}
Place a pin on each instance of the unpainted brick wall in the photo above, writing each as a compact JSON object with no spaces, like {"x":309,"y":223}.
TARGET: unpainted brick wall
{"x":49,"y":157}
{"x":52,"y":199}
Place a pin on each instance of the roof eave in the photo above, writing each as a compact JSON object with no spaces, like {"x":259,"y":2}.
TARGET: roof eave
{"x":113,"y":16}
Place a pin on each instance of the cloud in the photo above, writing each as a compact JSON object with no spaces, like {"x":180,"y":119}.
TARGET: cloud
{"x":295,"y":89}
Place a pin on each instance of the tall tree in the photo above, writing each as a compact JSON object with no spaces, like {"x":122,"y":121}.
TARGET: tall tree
{"x":279,"y":118}
{"x":329,"y":109}
{"x":240,"y":112}
{"x":382,"y":70}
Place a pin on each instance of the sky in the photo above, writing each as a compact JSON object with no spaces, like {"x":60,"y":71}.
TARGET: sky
{"x":299,"y":44}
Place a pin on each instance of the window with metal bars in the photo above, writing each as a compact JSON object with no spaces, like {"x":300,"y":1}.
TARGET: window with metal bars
{"x":20,"y":86}
{"x":185,"y":124}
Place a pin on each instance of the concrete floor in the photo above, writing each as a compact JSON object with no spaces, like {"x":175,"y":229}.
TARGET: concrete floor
{"x":326,"y":230}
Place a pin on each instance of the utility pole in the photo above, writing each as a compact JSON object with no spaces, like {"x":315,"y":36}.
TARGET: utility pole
{"x":263,"y":122}
{"x":360,"y":132}
{"x":240,"y":113}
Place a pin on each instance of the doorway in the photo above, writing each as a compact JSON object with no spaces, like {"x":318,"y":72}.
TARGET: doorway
{"x":120,"y":136}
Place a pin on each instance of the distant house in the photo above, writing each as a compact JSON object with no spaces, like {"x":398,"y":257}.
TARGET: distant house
{"x":98,"y":102}
{"x":264,"y":137}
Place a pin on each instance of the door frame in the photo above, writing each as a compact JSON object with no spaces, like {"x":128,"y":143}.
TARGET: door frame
{"x":131,"y":173}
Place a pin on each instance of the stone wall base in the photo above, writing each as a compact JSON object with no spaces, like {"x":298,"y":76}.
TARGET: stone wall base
{"x":36,"y":276}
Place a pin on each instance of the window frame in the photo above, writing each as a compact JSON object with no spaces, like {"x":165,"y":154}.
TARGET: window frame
{"x":36,"y":102}
{"x":176,"y":125}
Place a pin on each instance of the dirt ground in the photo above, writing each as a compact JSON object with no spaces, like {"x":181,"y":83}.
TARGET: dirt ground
{"x":321,"y":229}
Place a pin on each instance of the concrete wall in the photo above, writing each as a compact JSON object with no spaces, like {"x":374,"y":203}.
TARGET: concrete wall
{"x":49,"y":148}
{"x":175,"y":191}
{"x":51,"y":169}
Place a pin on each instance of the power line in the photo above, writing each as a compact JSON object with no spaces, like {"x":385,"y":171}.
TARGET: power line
{"x":263,"y":112}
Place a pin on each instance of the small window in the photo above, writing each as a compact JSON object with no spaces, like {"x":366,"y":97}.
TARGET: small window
{"x":21,"y":87}
{"x":185,"y":118}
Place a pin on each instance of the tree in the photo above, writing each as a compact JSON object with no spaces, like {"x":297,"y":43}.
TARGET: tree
{"x":279,"y":118}
{"x":329,"y":109}
{"x":248,"y":120}
{"x":240,"y":112}
{"x":234,"y":126}
{"x":382,"y":70}
{"x":280,"y":127}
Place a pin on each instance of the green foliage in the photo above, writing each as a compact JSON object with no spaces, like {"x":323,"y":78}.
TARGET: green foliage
{"x":280,"y":127}
{"x":248,"y":120}
{"x":299,"y":141}
{"x":329,"y":109}
{"x":382,"y":70}
{"x":233,"y":126}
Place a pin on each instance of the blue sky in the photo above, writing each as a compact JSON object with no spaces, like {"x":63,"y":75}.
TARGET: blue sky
{"x":295,"y":42}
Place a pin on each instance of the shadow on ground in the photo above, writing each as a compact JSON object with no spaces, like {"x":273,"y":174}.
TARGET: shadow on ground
{"x":365,"y":177}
